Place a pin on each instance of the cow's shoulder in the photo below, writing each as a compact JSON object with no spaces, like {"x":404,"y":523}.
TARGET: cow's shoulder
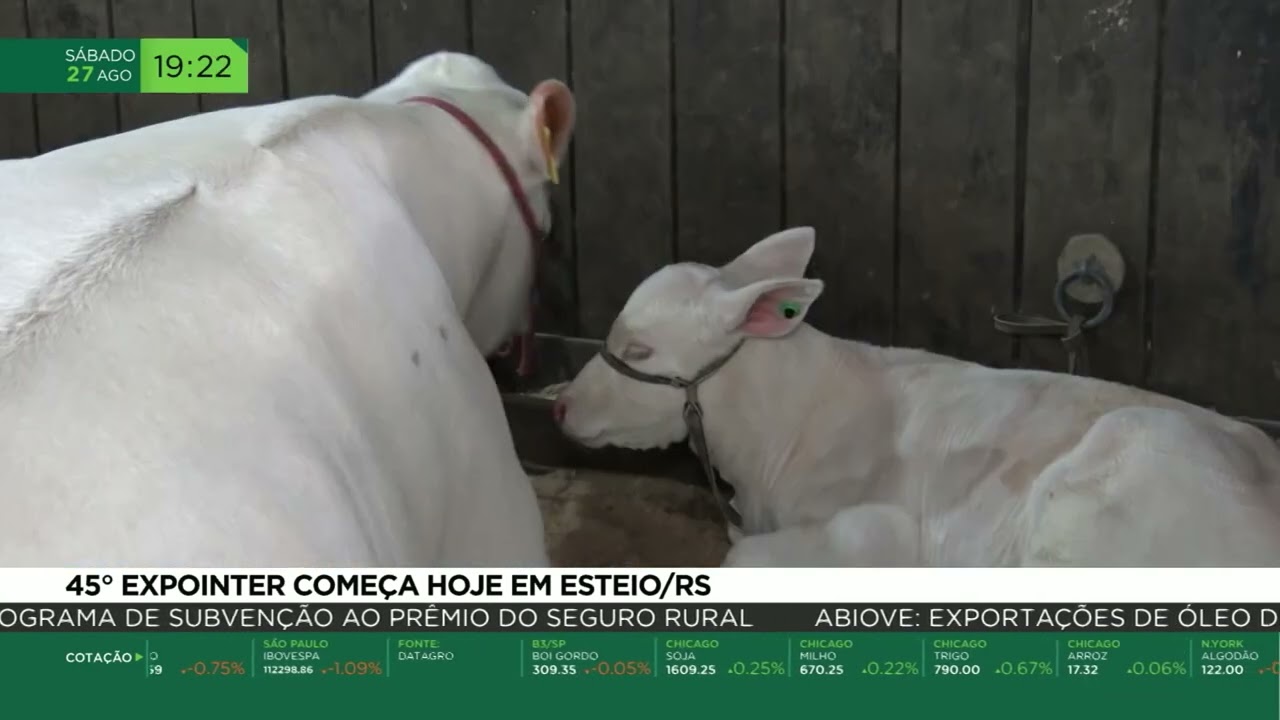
{"x":305,"y":119}
{"x":70,"y":217}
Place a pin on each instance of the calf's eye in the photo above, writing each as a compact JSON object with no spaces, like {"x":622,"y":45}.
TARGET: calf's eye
{"x":635,"y":352}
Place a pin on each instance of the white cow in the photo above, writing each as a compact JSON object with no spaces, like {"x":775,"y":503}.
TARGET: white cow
{"x":256,"y":337}
{"x":843,"y":453}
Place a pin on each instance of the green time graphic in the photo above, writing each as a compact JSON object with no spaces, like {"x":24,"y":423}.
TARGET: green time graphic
{"x":194,"y":65}
{"x":172,"y":66}
{"x":125,"y":65}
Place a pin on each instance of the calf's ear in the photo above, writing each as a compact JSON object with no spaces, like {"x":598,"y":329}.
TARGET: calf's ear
{"x":549,"y":120}
{"x":768,"y":308}
{"x":784,"y":254}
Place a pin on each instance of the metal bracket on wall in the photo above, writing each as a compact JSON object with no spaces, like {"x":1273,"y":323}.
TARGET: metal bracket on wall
{"x":1090,"y":273}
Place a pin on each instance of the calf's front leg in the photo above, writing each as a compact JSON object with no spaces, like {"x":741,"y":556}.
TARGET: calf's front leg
{"x":871,"y":535}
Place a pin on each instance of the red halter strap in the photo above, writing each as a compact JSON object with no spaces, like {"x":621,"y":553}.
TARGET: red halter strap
{"x":536,"y":234}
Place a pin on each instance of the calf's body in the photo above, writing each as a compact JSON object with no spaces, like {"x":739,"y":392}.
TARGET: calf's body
{"x":256,"y":337}
{"x":843,"y":453}
{"x":881,"y":456}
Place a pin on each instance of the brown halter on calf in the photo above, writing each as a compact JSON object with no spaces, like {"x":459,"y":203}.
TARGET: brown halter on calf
{"x":692,"y":416}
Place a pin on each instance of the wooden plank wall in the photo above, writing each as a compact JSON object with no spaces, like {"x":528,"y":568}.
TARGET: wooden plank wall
{"x":1090,"y":130}
{"x":958,"y":162}
{"x":944,"y":149}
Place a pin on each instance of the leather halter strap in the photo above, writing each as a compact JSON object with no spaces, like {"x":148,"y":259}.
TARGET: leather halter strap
{"x":536,"y":234}
{"x":692,"y":417}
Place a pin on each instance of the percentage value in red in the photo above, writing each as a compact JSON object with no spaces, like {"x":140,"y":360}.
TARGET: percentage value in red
{"x":621,"y":667}
{"x":214,"y":667}
{"x":354,"y":667}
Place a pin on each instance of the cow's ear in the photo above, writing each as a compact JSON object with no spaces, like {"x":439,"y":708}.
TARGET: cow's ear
{"x":549,"y":123}
{"x":768,"y":308}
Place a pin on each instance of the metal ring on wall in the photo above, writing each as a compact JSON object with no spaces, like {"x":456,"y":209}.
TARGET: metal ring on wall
{"x":1089,"y":272}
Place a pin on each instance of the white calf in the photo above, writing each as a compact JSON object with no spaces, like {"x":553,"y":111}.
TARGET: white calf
{"x":255,"y":337}
{"x":843,"y":453}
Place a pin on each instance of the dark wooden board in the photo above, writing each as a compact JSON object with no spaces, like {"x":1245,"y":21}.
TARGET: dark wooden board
{"x":1089,"y":135}
{"x":64,"y":120}
{"x":17,"y":112}
{"x":404,"y":31}
{"x":728,"y":133}
{"x":527,"y":43}
{"x":1215,"y":336}
{"x":328,"y":47}
{"x":153,"y":19}
{"x":841,"y":120}
{"x":259,"y":21}
{"x":958,"y":175}
{"x":622,"y":169}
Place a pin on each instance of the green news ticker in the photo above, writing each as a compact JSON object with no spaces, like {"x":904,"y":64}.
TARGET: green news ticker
{"x":124,"y":65}
{"x":1005,"y":674}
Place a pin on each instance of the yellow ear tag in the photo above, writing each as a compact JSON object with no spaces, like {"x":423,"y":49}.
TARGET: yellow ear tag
{"x":553,"y":172}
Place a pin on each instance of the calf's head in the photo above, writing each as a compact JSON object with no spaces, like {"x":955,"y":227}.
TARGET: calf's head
{"x":677,"y":322}
{"x":533,"y":132}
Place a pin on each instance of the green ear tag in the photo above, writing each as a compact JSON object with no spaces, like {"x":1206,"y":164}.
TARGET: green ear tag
{"x":789,"y":309}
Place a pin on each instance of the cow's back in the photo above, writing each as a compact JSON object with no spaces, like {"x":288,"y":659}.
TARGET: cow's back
{"x":270,"y":371}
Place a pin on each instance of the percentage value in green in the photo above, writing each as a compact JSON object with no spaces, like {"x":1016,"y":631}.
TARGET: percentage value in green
{"x":758,"y":668}
{"x":891,"y":667}
{"x":1025,"y":667}
{"x":1167,"y":667}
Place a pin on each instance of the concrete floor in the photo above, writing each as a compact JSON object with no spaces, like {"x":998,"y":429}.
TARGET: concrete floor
{"x":597,"y":519}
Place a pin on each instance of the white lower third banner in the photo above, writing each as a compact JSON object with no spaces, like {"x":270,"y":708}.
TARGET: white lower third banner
{"x":640,"y":585}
